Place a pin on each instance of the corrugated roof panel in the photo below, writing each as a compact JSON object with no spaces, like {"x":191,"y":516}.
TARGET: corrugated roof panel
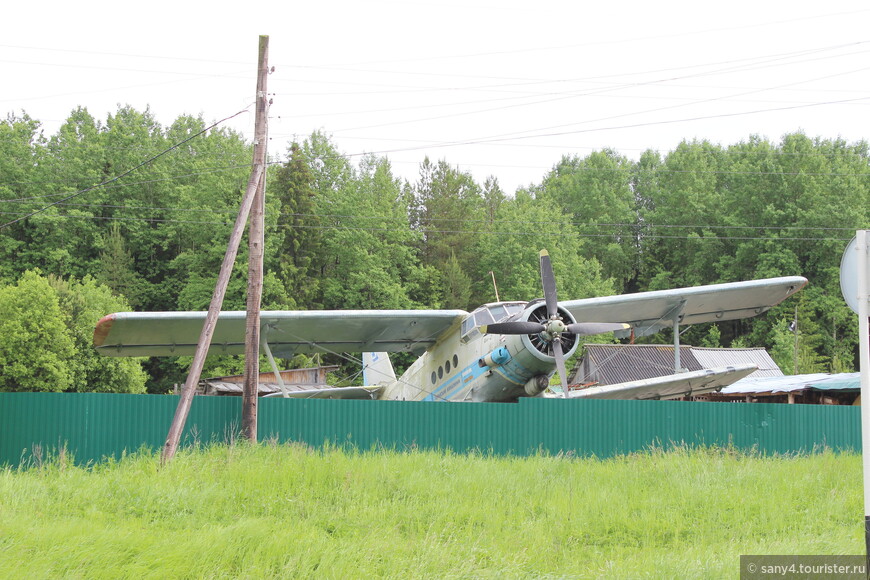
{"x":716,"y":357}
{"x":611,"y":364}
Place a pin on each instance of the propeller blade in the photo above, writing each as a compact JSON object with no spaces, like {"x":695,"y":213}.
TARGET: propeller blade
{"x":515,"y":327}
{"x":560,"y":365}
{"x":587,"y":328}
{"x":549,"y":283}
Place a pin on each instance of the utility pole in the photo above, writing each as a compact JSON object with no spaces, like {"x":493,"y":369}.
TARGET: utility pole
{"x":255,"y":257}
{"x":255,"y":181}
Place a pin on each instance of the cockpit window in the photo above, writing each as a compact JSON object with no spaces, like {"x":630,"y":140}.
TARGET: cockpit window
{"x":515,"y":308}
{"x":498,"y":312}
{"x":482,"y":316}
{"x":487,"y":315}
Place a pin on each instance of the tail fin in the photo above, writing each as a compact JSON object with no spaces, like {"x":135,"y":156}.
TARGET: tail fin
{"x":377,"y":369}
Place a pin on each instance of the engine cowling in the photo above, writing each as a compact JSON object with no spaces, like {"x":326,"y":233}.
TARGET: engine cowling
{"x":541,"y":344}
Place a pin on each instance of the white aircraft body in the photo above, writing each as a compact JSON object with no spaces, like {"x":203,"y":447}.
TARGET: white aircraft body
{"x":499,"y":352}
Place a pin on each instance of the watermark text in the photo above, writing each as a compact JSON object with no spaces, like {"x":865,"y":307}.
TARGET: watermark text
{"x":768,"y":567}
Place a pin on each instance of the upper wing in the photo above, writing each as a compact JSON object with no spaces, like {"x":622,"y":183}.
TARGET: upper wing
{"x":649,"y":312}
{"x":669,"y":386}
{"x":287,"y":332}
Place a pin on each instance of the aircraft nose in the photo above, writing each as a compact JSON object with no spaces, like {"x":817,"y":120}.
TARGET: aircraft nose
{"x":556,"y":326}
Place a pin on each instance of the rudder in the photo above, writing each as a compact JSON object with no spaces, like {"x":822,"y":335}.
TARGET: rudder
{"x":377,"y":369}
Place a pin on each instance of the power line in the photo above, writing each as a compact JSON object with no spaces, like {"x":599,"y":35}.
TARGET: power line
{"x":496,"y":139}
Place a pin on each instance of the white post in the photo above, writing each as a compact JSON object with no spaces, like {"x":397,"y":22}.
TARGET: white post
{"x":862,"y":238}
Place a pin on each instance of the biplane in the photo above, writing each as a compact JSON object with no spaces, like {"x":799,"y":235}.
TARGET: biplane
{"x":499,"y":352}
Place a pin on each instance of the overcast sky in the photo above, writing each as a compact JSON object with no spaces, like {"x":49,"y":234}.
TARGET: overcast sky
{"x":501,"y":88}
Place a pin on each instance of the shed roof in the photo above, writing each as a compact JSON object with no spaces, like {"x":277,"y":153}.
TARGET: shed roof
{"x":609,"y":364}
{"x":716,"y":357}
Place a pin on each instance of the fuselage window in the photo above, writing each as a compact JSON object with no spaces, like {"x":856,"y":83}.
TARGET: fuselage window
{"x":434,"y":378}
{"x":447,"y":367}
{"x":455,"y":361}
{"x":440,"y":372}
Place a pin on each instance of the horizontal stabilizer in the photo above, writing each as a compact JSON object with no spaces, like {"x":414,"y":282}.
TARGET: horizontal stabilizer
{"x":670,"y":386}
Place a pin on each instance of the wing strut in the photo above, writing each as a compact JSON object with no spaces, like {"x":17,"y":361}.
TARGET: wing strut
{"x":265,"y":344}
{"x":678,"y":365}
{"x":676,"y":316}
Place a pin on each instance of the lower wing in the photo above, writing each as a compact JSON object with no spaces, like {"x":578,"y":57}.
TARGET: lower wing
{"x":333,"y":393}
{"x":669,"y":386}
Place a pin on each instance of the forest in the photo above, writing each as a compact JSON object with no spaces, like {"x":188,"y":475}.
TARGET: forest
{"x":127,"y":214}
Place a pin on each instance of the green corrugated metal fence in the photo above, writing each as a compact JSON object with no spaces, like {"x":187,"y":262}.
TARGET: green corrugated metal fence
{"x":94,"y":426}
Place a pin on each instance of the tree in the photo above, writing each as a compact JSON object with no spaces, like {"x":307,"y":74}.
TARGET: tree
{"x":82,"y":304}
{"x":116,"y":268}
{"x":297,"y":226}
{"x":680,"y":209}
{"x":457,"y":285}
{"x":369,"y":252}
{"x":513,"y":255}
{"x":36,"y":347}
{"x":21,"y":160}
{"x":448,"y":211}
{"x":596,"y":193}
{"x":46,"y":338}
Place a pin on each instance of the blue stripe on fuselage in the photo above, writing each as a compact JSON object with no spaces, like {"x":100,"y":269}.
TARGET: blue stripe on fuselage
{"x":473,"y":370}
{"x":511,"y":371}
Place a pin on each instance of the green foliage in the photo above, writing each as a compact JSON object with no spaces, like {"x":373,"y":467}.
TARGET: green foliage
{"x":83,"y":303}
{"x":596,"y":192}
{"x":37,"y":351}
{"x":47,"y":327}
{"x":450,"y":211}
{"x":297,"y":227}
{"x":21,"y":162}
{"x":514,"y":258}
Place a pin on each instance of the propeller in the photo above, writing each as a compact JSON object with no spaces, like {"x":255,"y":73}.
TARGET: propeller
{"x":554,"y":326}
{"x":548,"y":280}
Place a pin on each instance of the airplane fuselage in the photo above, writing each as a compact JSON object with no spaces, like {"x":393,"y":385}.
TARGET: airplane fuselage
{"x":466,"y":365}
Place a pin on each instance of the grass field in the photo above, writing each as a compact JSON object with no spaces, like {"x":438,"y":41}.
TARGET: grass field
{"x":289,"y":511}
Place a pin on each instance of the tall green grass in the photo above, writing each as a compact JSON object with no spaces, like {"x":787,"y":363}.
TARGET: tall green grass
{"x":294,"y":512}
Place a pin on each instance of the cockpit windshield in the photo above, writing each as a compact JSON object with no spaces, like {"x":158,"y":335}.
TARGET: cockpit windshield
{"x":489,"y":314}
